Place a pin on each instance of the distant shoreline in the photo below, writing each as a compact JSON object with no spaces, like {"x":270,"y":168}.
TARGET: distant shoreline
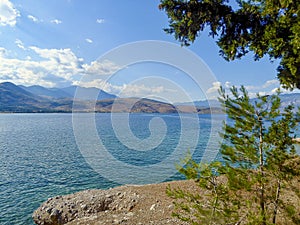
{"x":70,"y":112}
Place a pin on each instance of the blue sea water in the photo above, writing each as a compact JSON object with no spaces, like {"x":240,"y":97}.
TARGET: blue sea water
{"x":39,"y":156}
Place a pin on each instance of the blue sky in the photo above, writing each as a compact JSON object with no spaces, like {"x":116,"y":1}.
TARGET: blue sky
{"x":54,"y":43}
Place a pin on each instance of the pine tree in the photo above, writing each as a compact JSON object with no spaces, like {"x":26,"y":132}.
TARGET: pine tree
{"x":262,"y":27}
{"x":258,"y":171}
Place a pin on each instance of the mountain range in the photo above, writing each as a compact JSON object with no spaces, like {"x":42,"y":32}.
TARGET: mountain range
{"x":68,"y":92}
{"x":19,"y":98}
{"x":35,"y":98}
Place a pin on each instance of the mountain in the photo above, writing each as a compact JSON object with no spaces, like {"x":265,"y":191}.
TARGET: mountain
{"x":46,"y":92}
{"x":134,"y":105}
{"x":201,"y":103}
{"x":69,"y":92}
{"x":286,"y":99}
{"x":88,"y":93}
{"x":16,"y":99}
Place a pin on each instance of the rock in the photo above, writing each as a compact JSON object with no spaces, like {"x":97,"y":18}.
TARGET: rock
{"x":84,"y":207}
{"x":126,"y":205}
{"x":62,"y":209}
{"x":152,"y":207}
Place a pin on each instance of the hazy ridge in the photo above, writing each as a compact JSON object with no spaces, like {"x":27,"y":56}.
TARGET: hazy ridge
{"x":34,"y":99}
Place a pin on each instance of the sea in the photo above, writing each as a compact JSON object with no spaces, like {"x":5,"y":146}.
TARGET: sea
{"x":46,"y":155}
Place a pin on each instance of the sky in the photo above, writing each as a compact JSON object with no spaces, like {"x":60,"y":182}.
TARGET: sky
{"x":59,"y":43}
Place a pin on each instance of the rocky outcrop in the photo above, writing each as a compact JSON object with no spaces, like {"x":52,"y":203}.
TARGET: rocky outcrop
{"x":146,"y":204}
{"x":63,"y":209}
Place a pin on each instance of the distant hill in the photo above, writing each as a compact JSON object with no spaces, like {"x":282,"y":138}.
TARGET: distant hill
{"x":201,"y":103}
{"x":134,"y":105}
{"x":15,"y":98}
{"x":46,"y":92}
{"x":286,"y":100}
{"x":88,"y":93}
{"x":290,"y":98}
{"x":69,"y":92}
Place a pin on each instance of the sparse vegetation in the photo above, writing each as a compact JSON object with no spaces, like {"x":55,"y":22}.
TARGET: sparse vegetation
{"x":258,"y":180}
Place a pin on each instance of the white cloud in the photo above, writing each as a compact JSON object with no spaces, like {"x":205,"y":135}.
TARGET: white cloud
{"x":101,"y":84}
{"x":262,"y":93}
{"x":212,"y":92}
{"x":148,"y":89}
{"x":284,"y":91}
{"x":34,"y":19}
{"x":20,"y":44}
{"x":23,"y":72}
{"x":138,"y":90}
{"x":105,"y":67}
{"x":98,"y":83}
{"x":55,"y":67}
{"x":3,"y":52}
{"x":268,"y":88}
{"x":63,"y":56}
{"x":56,"y":21}
{"x":8,"y":13}
{"x":88,"y":40}
{"x":215,"y":87}
{"x":227,"y":84}
{"x":269,"y":83}
{"x":126,"y":90}
{"x":61,"y":67}
{"x":100,"y":21}
{"x":60,"y":62}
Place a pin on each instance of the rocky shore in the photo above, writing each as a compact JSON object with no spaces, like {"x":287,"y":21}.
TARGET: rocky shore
{"x":130,"y":204}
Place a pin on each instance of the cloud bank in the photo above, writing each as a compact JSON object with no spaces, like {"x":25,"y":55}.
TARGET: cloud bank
{"x":61,"y":67}
{"x":8,"y":13}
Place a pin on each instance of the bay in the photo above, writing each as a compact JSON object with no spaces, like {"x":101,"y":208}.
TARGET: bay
{"x":39,"y":157}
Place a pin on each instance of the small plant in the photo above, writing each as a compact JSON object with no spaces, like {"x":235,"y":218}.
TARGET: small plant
{"x":256,"y":183}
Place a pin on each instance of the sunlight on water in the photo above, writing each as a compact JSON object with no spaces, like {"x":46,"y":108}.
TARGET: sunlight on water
{"x":40,"y":159}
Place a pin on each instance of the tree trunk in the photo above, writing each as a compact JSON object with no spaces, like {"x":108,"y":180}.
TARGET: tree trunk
{"x":261,"y":171}
{"x":276,"y":201}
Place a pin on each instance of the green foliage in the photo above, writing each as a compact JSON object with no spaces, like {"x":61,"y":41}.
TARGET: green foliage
{"x":211,"y":207}
{"x":256,"y":179}
{"x":269,"y":27}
